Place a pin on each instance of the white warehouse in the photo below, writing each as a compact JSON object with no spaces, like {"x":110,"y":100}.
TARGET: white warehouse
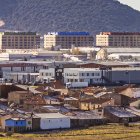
{"x":90,"y":75}
{"x":53,"y":121}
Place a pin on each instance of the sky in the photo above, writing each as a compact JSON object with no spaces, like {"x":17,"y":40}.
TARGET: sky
{"x":133,"y":3}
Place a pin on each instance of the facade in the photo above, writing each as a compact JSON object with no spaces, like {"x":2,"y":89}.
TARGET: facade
{"x":95,"y":104}
{"x":19,"y":40}
{"x":118,"y":39}
{"x":34,"y":102}
{"x":68,"y":39}
{"x":119,"y":115}
{"x":90,"y":75}
{"x":122,"y":75}
{"x":19,"y":72}
{"x":19,"y":97}
{"x":15,"y":125}
{"x":53,"y":121}
{"x":47,"y":74}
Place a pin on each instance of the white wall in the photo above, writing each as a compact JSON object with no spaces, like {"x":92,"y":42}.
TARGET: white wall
{"x":57,"y":123}
{"x":50,"y":73}
{"x":77,"y":74}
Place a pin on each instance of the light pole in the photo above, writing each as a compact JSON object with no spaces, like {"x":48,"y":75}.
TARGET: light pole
{"x":128,"y":73}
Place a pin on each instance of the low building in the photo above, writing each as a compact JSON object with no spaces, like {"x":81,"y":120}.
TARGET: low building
{"x":18,"y":97}
{"x":135,"y":103}
{"x":86,"y":119}
{"x":122,"y":75}
{"x":90,"y":75}
{"x":119,"y":115}
{"x":15,"y":125}
{"x":72,"y":101}
{"x":53,"y":121}
{"x":97,"y":103}
{"x":34,"y":102}
{"x":46,"y":75}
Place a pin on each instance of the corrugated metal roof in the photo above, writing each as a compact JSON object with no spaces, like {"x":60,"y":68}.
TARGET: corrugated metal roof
{"x":51,"y":115}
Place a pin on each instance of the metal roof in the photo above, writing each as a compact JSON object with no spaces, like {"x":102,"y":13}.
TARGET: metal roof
{"x":51,"y":115}
{"x":123,"y":50}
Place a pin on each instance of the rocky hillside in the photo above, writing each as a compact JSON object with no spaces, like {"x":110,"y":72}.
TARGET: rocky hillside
{"x":68,"y":15}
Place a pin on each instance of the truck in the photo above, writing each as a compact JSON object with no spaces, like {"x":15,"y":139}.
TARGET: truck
{"x":76,"y":84}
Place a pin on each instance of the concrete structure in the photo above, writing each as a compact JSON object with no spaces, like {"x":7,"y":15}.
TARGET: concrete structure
{"x":53,"y":121}
{"x":90,"y":75}
{"x":68,"y":39}
{"x":19,"y":40}
{"x":118,"y":39}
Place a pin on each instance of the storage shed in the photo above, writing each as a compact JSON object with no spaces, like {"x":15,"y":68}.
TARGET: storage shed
{"x":53,"y":121}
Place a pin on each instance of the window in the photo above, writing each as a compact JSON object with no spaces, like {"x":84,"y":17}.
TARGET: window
{"x":92,"y":74}
{"x":87,"y":74}
{"x":29,"y":122}
{"x":82,"y":74}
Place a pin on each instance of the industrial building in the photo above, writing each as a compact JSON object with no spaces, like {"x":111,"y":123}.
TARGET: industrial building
{"x":118,"y":39}
{"x":68,"y":39}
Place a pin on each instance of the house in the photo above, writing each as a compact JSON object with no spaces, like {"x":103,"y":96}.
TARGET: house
{"x":15,"y":125}
{"x":35,"y":102}
{"x":119,"y":99}
{"x":95,"y":103}
{"x":86,"y":119}
{"x":53,"y":121}
{"x":72,"y":101}
{"x":19,"y":97}
{"x":119,"y":115}
{"x":135,"y":103}
{"x":3,"y":117}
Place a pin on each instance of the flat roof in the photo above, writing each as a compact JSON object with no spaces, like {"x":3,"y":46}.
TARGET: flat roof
{"x":127,"y":69}
{"x":123,"y":50}
{"x":82,"y":69}
{"x":51,"y":115}
{"x":85,"y":115}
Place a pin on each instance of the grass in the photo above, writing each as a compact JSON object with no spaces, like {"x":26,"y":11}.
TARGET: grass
{"x":107,"y":132}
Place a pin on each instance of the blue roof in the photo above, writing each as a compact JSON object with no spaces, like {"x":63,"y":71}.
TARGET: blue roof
{"x":73,"y":33}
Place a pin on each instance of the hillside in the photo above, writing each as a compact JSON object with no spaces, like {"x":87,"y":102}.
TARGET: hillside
{"x":68,"y":15}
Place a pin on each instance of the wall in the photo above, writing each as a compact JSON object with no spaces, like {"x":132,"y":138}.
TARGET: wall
{"x":54,"y":123}
{"x":18,"y":123}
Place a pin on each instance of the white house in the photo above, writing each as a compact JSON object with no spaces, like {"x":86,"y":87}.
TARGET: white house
{"x":90,"y":75}
{"x":50,"y":121}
